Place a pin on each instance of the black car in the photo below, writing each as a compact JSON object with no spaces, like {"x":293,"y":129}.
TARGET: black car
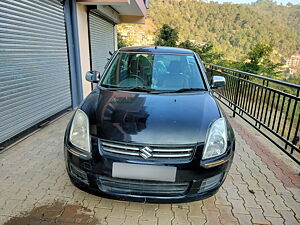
{"x":150,"y":130}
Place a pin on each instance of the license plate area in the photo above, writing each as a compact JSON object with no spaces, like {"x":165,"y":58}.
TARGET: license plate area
{"x":144,"y":172}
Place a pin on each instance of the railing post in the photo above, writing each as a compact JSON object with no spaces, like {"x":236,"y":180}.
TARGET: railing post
{"x":296,"y":138}
{"x":236,"y":94}
{"x":211,"y":73}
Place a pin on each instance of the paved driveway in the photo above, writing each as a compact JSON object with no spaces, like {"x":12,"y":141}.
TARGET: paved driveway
{"x":263,"y":187}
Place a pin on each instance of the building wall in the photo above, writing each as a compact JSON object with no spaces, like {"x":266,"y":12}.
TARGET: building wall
{"x":82,"y":16}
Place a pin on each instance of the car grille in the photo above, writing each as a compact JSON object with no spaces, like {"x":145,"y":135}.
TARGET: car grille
{"x":148,"y":152}
{"x":141,"y":187}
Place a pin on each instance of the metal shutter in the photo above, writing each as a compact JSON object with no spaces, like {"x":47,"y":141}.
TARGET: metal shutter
{"x":34,"y":71}
{"x":101,"y":41}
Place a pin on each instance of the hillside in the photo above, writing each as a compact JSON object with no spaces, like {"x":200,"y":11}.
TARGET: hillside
{"x":232,"y":28}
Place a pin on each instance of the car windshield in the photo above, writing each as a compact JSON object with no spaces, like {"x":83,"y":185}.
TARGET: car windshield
{"x":162,"y":72}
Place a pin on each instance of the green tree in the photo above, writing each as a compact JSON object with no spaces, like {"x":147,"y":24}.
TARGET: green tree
{"x":232,"y":28}
{"x":205,"y":51}
{"x":167,"y":36}
{"x":121,"y":41}
{"x":258,"y":61}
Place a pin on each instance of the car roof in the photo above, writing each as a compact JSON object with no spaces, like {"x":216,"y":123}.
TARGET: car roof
{"x":157,"y":49}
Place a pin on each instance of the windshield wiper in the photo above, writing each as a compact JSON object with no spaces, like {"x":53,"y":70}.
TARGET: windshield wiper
{"x":153,"y":91}
{"x":110,"y":87}
{"x":139,"y":88}
{"x":187,"y":90}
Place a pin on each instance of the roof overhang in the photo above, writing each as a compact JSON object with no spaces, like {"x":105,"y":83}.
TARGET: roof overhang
{"x":129,"y":11}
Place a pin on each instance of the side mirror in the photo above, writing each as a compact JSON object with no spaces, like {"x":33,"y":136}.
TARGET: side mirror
{"x":92,"y":76}
{"x":218,"y":81}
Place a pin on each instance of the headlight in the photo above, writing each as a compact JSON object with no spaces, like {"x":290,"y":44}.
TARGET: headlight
{"x":216,"y":140}
{"x":80,"y":134}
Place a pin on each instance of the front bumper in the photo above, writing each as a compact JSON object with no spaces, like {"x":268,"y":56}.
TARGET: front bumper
{"x":194,"y":180}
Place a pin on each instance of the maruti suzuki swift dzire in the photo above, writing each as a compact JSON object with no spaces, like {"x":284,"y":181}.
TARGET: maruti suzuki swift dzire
{"x":151,"y":129}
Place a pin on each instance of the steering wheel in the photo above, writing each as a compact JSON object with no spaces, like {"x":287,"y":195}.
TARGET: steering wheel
{"x":132,"y":80}
{"x":136,"y":76}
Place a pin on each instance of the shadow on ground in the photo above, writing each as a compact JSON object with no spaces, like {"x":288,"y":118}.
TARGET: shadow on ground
{"x":57,"y":213}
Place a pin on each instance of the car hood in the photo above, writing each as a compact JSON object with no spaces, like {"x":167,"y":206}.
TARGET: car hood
{"x":181,"y":118}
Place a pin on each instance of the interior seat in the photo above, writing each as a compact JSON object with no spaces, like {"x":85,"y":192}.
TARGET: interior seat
{"x":175,"y":79}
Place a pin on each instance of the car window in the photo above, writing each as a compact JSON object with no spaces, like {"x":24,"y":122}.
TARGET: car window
{"x":113,"y":69}
{"x":155,"y":71}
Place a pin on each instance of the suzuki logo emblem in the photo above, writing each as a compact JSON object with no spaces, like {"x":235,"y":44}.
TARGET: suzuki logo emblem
{"x":146,"y":152}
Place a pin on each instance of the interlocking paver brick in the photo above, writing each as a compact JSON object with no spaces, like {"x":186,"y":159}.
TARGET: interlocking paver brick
{"x":164,"y":209}
{"x":288,"y":217}
{"x":180,"y":205}
{"x":295,"y":208}
{"x":209,"y":204}
{"x":296,"y":193}
{"x":164,"y":214}
{"x":268,"y":210}
{"x":260,"y":197}
{"x":237,"y":178}
{"x":257,"y":216}
{"x":197,"y":220}
{"x":101,"y":214}
{"x":279,"y":187}
{"x":242,"y":189}
{"x":9,"y":206}
{"x":243,"y":219}
{"x":132,"y":217}
{"x":238,"y":207}
{"x":226,"y":216}
{"x":165,"y":219}
{"x":135,"y":206}
{"x":250,"y":201}
{"x":91,"y":203}
{"x":118,"y":210}
{"x":252,"y":184}
{"x":115,"y":221}
{"x":268,"y":188}
{"x":275,"y":221}
{"x":212,"y":217}
{"x":278,"y":202}
{"x":259,"y":189}
{"x":195,"y":209}
{"x":69,"y":214}
{"x":105,"y":203}
{"x":147,"y":222}
{"x":180,"y":216}
{"x":149,"y":211}
{"x":20,"y":195}
{"x":221,"y":198}
{"x":233,"y":194}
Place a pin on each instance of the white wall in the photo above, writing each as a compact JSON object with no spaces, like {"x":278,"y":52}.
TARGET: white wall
{"x":82,"y":17}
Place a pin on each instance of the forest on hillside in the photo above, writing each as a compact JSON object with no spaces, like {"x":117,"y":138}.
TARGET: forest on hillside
{"x":232,"y":28}
{"x":226,"y":34}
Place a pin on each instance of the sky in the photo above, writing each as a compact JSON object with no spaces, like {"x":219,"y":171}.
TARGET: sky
{"x":249,"y":1}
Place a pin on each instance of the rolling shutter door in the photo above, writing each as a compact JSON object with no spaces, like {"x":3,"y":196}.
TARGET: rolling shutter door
{"x":34,"y":71}
{"x":101,"y":41}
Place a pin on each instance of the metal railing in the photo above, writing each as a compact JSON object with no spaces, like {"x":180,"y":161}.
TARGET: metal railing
{"x":271,"y":106}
